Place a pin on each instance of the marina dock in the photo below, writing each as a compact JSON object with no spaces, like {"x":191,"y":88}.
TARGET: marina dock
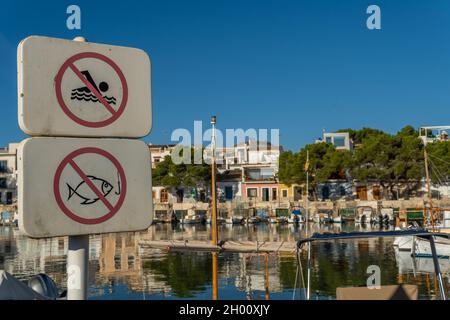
{"x":225,"y":246}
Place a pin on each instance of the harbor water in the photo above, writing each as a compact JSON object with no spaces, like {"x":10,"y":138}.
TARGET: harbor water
{"x":120,"y":269}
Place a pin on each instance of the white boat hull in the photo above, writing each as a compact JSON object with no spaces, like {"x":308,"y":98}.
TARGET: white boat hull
{"x":337,"y":219}
{"x":234,"y":220}
{"x":421,"y":247}
{"x":293,"y":218}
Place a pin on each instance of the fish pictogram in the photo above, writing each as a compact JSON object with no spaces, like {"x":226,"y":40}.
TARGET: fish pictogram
{"x":84,"y":192}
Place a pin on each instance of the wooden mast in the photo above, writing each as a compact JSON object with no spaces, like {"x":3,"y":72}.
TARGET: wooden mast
{"x":214,"y":231}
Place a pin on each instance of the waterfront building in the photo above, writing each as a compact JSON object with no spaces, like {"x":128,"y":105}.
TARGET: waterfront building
{"x":335,"y":189}
{"x":159,"y":151}
{"x":259,"y":182}
{"x":249,"y":164}
{"x":119,"y":255}
{"x":433,"y":133}
{"x":8,"y":174}
{"x":340,"y":140}
{"x":229,"y":185}
{"x":290,"y":193}
{"x":162,"y":195}
{"x":259,"y":171}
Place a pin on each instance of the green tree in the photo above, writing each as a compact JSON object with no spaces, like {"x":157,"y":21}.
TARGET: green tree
{"x":408,"y":165}
{"x":373,"y":160}
{"x":171,"y":175}
{"x":439,"y":161}
{"x":290,"y":168}
{"x":358,"y":136}
{"x":186,"y":274}
{"x":325,"y":163}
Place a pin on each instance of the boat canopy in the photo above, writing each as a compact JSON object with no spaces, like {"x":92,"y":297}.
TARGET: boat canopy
{"x":421,"y":233}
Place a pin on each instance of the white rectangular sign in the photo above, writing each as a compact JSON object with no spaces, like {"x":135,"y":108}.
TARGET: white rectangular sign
{"x":70,"y":88}
{"x":76,"y":186}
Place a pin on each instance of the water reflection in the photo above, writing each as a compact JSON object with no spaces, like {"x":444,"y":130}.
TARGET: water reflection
{"x":121,"y":269}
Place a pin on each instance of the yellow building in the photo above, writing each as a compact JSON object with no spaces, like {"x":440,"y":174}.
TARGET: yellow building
{"x":290,"y":193}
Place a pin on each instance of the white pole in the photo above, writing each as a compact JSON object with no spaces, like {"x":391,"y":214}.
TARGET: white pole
{"x":77,"y":259}
{"x":308,"y":288}
{"x":77,"y":267}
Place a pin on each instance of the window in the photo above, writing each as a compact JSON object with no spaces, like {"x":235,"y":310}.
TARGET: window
{"x":3,"y":183}
{"x":60,"y":244}
{"x":274,"y":194}
{"x":3,"y":166}
{"x":118,"y":242}
{"x":117,"y":262}
{"x":297,"y":193}
{"x":361,"y":192}
{"x":284,"y":193}
{"x":131,"y":262}
{"x":342,"y":191}
{"x":265,"y":194}
{"x":328,"y":139}
{"x":260,"y":174}
{"x":228,"y":193}
{"x":129,"y":240}
{"x":376,"y":192}
{"x":252,"y":193}
{"x":164,"y":195}
{"x":325,"y":192}
{"x":180,"y":195}
{"x":241,"y":156}
{"x":339,"y":141}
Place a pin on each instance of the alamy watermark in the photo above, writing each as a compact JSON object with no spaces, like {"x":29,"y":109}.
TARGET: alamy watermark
{"x":73,"y":21}
{"x":191,"y":149}
{"x":74,"y":277}
{"x":374,"y":280}
{"x":374,"y":20}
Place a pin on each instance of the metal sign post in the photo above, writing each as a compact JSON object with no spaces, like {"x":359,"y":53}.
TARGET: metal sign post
{"x":78,"y":259}
{"x":78,"y":267}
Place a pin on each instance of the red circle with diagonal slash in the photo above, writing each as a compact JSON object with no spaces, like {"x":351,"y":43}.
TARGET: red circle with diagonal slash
{"x":69,"y":161}
{"x":69,"y":64}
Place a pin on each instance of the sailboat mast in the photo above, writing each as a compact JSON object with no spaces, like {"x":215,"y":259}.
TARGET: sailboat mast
{"x":308,"y":288}
{"x":307,"y":190}
{"x":427,"y":177}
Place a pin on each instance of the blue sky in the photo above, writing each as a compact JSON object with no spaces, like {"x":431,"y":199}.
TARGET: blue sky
{"x":299,"y":66}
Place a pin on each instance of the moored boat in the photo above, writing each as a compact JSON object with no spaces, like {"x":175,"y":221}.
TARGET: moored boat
{"x":337,"y":219}
{"x":364,"y":215}
{"x":420,"y":247}
{"x":192,"y":216}
{"x":252,"y":220}
{"x":347,"y":214}
{"x":281,"y":215}
{"x":296,"y":215}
